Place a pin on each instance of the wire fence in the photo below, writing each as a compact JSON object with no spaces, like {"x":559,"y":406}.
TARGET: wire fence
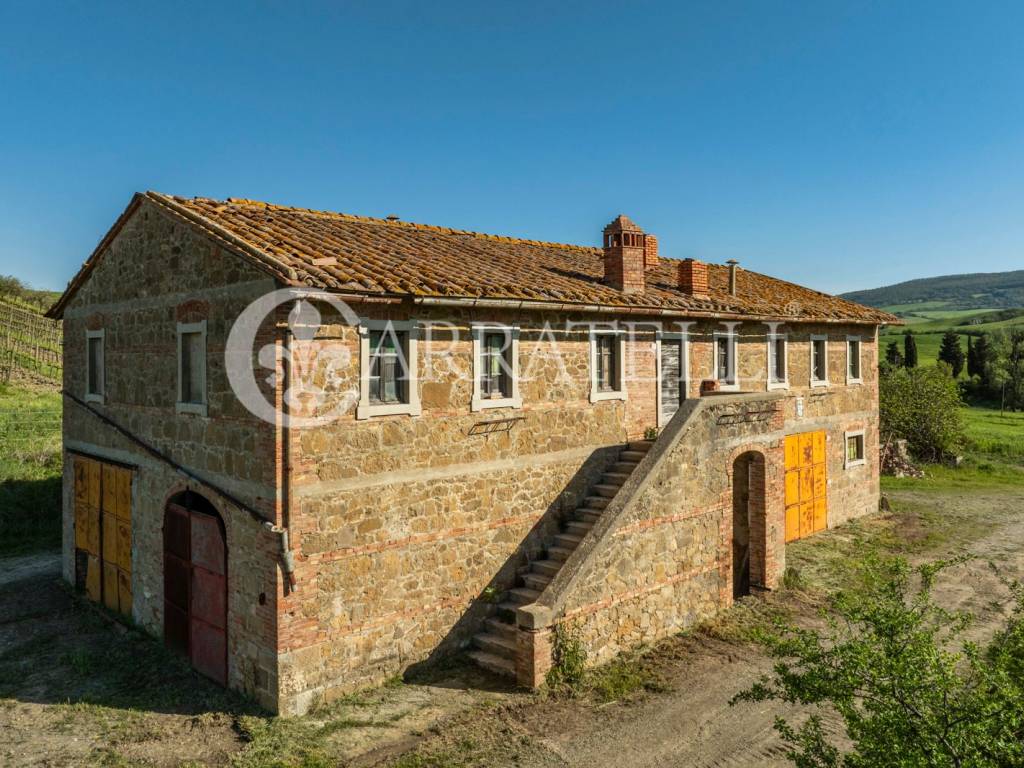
{"x":30,"y":342}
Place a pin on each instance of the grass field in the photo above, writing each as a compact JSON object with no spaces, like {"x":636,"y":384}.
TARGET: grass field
{"x":30,"y":469}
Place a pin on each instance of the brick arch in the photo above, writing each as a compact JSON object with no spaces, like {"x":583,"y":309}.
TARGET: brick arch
{"x":748,"y":549}
{"x":195,"y":556}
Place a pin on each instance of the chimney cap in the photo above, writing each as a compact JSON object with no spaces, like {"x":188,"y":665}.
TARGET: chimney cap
{"x":732,"y":262}
{"x":391,"y":217}
{"x":622,"y":223}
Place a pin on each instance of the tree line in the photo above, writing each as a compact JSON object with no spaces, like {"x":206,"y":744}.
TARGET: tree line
{"x":994,"y":363}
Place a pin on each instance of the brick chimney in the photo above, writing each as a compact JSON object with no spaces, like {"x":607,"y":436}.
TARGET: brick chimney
{"x":624,"y":256}
{"x":693,"y":277}
{"x":650,"y":251}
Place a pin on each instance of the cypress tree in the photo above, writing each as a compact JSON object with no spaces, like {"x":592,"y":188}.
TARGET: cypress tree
{"x":951,"y":354}
{"x":909,"y":350}
{"x":972,"y":359}
{"x":984,"y":360}
{"x":893,"y":355}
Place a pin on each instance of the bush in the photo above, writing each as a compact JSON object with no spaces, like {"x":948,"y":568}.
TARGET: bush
{"x":896,"y":667}
{"x":569,"y":659}
{"x":922,"y":406}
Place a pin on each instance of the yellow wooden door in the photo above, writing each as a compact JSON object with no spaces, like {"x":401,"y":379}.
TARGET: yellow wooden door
{"x":806,"y":486}
{"x":103,"y":532}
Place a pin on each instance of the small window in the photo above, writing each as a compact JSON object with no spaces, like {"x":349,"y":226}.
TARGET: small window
{"x":725,"y":359}
{"x":388,"y":380}
{"x":95,"y":373}
{"x":494,"y":378}
{"x":855,"y":449}
{"x":387,"y":359}
{"x":495,"y":361}
{"x":777,"y":370}
{"x":606,"y":351}
{"x":192,"y":368}
{"x":607,"y":380}
{"x":819,"y":361}
{"x":853,"y":362}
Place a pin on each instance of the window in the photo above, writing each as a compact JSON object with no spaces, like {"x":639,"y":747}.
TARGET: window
{"x":192,"y":368}
{"x":496,"y":366}
{"x":778,"y":374}
{"x":853,"y":349}
{"x":819,"y":361}
{"x":606,"y":356}
{"x":855,"y":456}
{"x":387,"y":365}
{"x":725,"y":358}
{"x":95,"y":374}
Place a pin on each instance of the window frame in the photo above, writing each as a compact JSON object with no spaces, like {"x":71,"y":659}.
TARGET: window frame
{"x":597,"y":394}
{"x":731,"y":334}
{"x":96,"y":397}
{"x":411,"y":406}
{"x":859,"y":341}
{"x":863,"y":460}
{"x":480,"y":332}
{"x":683,"y":337}
{"x":824,"y":339}
{"x":775,"y":335}
{"x":180,"y":406}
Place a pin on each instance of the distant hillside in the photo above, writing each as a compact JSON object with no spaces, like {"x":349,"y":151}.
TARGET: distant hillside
{"x":14,"y":291}
{"x":980,"y":290}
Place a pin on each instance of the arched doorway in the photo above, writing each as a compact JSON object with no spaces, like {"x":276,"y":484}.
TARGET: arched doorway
{"x":748,"y":523}
{"x":196,"y":584}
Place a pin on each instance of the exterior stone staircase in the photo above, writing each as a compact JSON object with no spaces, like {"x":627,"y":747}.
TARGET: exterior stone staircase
{"x":495,"y":647}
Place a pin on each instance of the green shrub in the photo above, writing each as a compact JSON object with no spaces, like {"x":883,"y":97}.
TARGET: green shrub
{"x":911,"y":689}
{"x":922,"y":406}
{"x":569,"y":658}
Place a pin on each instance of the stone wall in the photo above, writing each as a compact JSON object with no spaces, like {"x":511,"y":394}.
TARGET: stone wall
{"x":401,"y":523}
{"x":154,"y":273}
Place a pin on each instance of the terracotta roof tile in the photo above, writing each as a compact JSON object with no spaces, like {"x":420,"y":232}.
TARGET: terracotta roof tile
{"x":337,"y":251}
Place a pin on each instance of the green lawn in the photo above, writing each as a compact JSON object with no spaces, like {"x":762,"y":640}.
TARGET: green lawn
{"x":994,"y":433}
{"x":30,"y":469}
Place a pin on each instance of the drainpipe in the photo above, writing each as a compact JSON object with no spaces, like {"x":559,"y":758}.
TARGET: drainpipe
{"x":287,"y":557}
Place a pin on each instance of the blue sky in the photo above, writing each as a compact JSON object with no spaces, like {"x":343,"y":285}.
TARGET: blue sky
{"x":840,"y":145}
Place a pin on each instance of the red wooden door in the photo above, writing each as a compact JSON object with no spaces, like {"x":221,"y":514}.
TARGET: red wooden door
{"x":195,"y":588}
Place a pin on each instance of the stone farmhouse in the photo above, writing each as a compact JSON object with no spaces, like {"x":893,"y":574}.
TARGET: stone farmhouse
{"x":461,"y":442}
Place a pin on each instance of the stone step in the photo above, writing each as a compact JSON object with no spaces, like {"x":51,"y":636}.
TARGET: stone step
{"x":578,"y":527}
{"x":588,"y":515}
{"x":496,"y":626}
{"x":496,"y":644}
{"x":492,"y":663}
{"x":523,"y":595}
{"x":614,"y":478}
{"x":624,"y":467}
{"x":632,"y":455}
{"x":567,"y":540}
{"x":547,"y":567}
{"x":641,"y":445}
{"x":561,"y":554}
{"x":608,"y":491}
{"x":597,"y":502}
{"x":536,"y":581}
{"x":507,"y":611}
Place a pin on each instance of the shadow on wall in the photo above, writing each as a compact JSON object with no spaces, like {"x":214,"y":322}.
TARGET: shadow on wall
{"x":435,"y":669}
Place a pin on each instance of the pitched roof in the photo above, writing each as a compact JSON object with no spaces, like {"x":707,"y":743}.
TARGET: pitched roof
{"x":358,"y":254}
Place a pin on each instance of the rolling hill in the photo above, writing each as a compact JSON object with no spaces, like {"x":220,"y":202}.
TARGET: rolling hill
{"x":979,"y":290}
